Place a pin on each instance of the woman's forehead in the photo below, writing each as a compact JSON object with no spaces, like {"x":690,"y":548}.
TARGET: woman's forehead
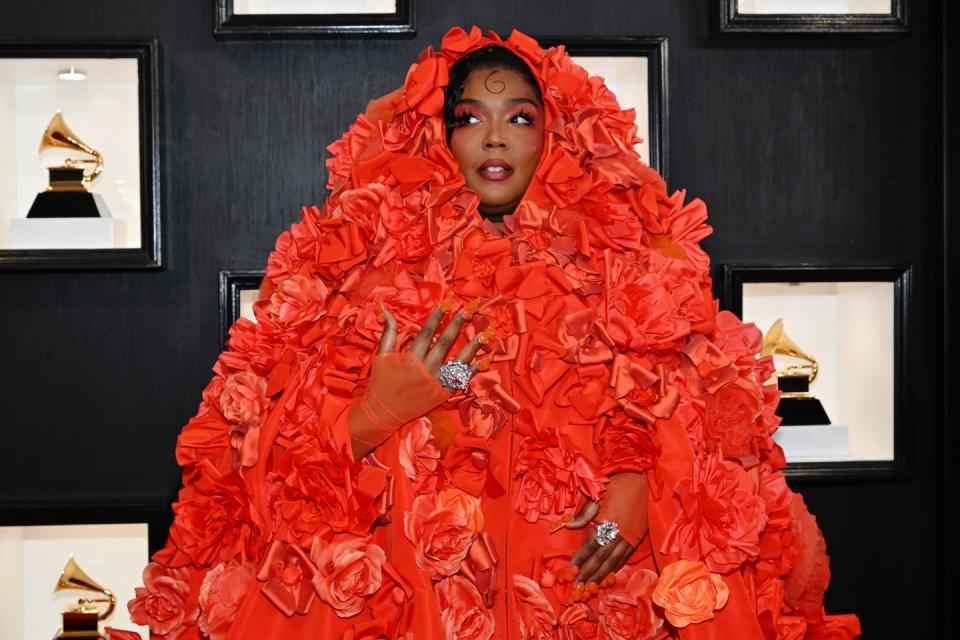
{"x":497,"y":84}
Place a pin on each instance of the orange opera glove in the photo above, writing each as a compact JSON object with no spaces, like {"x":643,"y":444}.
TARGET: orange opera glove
{"x":625,"y":502}
{"x":400,"y":389}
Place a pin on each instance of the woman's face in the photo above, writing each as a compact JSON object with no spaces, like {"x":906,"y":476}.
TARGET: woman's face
{"x":498,"y":137}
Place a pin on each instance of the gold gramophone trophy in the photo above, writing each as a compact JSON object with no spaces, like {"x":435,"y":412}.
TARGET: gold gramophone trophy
{"x":67,"y":195}
{"x":797,"y":405}
{"x":82,"y":620}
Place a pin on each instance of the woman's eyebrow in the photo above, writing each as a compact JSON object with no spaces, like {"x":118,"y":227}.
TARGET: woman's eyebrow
{"x":511,"y":102}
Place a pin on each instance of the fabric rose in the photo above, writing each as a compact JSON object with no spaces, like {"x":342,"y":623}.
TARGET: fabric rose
{"x":419,"y":456}
{"x":167,"y":603}
{"x":221,"y":593}
{"x":365,"y":206}
{"x":553,"y":474}
{"x":730,"y":422}
{"x":205,"y":437}
{"x":442,"y":528}
{"x":720,"y":516}
{"x":243,"y":398}
{"x":535,"y":613}
{"x":213,"y":521}
{"x":287,"y":575}
{"x":317,"y":494}
{"x":643,"y":389}
{"x":578,"y":622}
{"x":674,"y":230}
{"x":626,"y":611}
{"x":423,"y":89}
{"x":625,"y":446}
{"x":564,"y":179}
{"x":644,"y":312}
{"x":242,"y":402}
{"x":689,"y":593}
{"x":349,"y":570}
{"x":462,"y":612}
{"x":299,"y":299}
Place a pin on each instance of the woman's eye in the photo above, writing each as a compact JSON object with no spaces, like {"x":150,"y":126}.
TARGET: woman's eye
{"x":467,"y":118}
{"x":522,"y":118}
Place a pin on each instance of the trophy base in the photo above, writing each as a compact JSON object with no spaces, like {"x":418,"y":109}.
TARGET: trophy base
{"x":78,"y":624}
{"x":801,"y":411}
{"x":68,"y":204}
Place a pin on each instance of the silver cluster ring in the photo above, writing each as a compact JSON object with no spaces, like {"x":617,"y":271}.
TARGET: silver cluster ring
{"x":606,"y":532}
{"x":454,"y":375}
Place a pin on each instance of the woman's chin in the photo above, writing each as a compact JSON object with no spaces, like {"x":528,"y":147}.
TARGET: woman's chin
{"x":497,"y":210}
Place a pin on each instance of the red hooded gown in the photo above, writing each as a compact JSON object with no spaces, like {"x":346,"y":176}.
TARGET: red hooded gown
{"x":610,"y":355}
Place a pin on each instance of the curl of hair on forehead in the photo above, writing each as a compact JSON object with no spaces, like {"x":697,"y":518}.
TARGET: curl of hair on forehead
{"x":490,"y":58}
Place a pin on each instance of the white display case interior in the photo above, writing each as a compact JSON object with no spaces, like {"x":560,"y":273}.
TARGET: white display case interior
{"x":848,"y":327}
{"x":840,"y":7}
{"x":812,"y":17}
{"x":96,"y":103}
{"x":103,"y":111}
{"x":853,"y":320}
{"x":313,"y":18}
{"x":306,"y":7}
{"x":32,"y":558}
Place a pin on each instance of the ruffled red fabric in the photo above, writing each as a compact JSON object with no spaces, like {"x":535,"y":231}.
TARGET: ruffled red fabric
{"x":609,"y":356}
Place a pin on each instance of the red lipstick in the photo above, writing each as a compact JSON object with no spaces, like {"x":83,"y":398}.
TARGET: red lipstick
{"x":495,"y":169}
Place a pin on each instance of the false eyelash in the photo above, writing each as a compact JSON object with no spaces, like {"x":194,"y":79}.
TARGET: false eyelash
{"x":530,"y":117}
{"x":463,"y":118}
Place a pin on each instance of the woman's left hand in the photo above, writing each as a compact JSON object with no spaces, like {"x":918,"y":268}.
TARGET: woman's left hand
{"x":624,"y":502}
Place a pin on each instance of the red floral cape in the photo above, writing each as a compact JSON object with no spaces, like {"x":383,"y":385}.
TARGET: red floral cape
{"x":610,"y":355}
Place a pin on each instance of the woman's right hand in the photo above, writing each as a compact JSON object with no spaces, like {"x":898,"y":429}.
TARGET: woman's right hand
{"x":432,"y":354}
{"x":404,"y":385}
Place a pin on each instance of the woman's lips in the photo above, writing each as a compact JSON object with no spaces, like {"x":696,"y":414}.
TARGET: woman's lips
{"x":495,"y":169}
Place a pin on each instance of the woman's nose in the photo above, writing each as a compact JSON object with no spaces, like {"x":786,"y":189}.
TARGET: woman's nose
{"x":494,"y":139}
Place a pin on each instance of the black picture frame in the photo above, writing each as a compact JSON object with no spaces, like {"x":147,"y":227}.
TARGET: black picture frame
{"x":155,"y":511}
{"x":654,"y":49}
{"x":731,"y":22}
{"x":399,"y":24}
{"x":149,"y":254}
{"x":232,"y":283}
{"x":734,"y":276}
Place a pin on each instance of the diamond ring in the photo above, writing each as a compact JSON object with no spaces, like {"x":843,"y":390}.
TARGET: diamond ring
{"x":454,"y":375}
{"x":605,"y":533}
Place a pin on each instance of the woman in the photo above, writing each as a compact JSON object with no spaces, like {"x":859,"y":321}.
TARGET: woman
{"x":559,"y":435}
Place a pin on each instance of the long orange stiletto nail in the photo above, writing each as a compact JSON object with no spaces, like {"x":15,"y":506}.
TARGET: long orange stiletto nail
{"x":448,"y":301}
{"x":565,"y":520}
{"x":483,"y":365}
{"x":487,"y":334}
{"x":378,"y":308}
{"x":471,"y":309}
{"x":608,"y":580}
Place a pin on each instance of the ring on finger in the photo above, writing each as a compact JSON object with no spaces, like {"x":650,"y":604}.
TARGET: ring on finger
{"x":606,"y":532}
{"x":454,"y":375}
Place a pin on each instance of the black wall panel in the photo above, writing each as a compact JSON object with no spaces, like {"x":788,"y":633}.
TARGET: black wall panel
{"x":806,"y":150}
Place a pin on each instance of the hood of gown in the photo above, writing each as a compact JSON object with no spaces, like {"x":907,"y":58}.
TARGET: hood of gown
{"x":400,"y":223}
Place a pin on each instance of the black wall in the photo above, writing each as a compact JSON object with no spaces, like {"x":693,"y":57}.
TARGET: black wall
{"x":807,"y":150}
